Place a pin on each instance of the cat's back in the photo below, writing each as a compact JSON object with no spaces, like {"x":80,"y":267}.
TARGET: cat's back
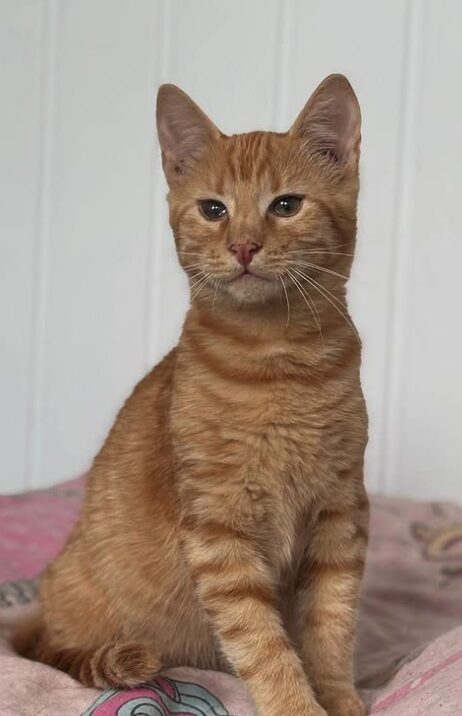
{"x":130,"y":499}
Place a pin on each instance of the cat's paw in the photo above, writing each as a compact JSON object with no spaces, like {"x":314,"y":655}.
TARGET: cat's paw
{"x":345,"y":703}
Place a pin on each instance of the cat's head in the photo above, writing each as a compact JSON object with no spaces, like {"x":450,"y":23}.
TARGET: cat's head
{"x":251,"y":213}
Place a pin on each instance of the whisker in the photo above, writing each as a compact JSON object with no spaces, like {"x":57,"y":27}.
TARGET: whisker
{"x":205,"y":280}
{"x":287,"y":299}
{"x":324,"y":251}
{"x":197,"y":254}
{"x":314,"y":309}
{"x":217,"y":283}
{"x":323,"y":246}
{"x":312,"y":244}
{"x":324,"y":291}
{"x":343,"y":245}
{"x":198,"y":290}
{"x":309,"y":302}
{"x":199,"y":276}
{"x":333,"y":296}
{"x":323,"y":268}
{"x":193,"y":266}
{"x":328,"y":252}
{"x":196,"y":275}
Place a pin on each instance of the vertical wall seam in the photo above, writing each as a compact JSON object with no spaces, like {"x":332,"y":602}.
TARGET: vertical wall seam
{"x":401,"y":246}
{"x":47,"y":72}
{"x":155,"y":222}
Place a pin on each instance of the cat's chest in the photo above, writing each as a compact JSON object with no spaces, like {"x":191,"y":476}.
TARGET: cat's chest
{"x":266,"y":453}
{"x":269,"y":439}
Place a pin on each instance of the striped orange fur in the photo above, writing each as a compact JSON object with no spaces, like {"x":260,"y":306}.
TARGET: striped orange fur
{"x":225,"y":522}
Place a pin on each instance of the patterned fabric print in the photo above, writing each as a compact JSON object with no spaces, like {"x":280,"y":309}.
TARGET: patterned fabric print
{"x":34,"y":526}
{"x":442,"y":543}
{"x":412,"y":592}
{"x":412,"y":595}
{"x":16,"y":593}
{"x":164,"y":697}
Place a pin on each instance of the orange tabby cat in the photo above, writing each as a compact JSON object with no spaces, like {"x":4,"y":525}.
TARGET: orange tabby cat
{"x":225,"y":522}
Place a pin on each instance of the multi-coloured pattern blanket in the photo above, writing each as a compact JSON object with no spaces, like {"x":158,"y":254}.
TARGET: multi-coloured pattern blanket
{"x":409,"y":652}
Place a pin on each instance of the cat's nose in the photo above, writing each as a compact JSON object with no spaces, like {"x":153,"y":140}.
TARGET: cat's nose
{"x":244,"y":251}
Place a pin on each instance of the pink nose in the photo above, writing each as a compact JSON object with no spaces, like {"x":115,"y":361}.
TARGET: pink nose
{"x":244,"y":251}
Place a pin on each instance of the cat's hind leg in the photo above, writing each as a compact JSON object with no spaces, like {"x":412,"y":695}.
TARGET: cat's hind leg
{"x":117,"y":664}
{"x":114,"y":664}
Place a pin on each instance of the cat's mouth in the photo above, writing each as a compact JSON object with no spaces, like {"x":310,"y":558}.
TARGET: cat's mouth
{"x":251,"y":286}
{"x":247,"y":274}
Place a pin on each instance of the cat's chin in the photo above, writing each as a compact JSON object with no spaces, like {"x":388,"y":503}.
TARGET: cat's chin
{"x":252,"y":289}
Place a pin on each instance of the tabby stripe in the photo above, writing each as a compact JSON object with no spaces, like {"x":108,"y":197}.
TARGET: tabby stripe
{"x":327,"y":514}
{"x":273,"y":648}
{"x":212,"y":529}
{"x":328,"y":618}
{"x":207,"y":321}
{"x":346,"y":237}
{"x":321,"y":569}
{"x":240,"y":591}
{"x":218,"y":568}
{"x":225,"y":369}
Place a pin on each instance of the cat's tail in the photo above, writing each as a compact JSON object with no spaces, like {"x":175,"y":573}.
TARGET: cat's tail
{"x":115,"y":664}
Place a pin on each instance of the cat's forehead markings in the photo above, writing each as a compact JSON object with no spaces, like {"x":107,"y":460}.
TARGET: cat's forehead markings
{"x":249,"y":158}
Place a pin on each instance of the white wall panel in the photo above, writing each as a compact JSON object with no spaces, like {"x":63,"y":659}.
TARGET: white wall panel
{"x":91,"y":292}
{"x":21,"y":67}
{"x":93,"y":337}
{"x":427,"y":455}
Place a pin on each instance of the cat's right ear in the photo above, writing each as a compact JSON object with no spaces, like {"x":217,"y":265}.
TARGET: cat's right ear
{"x":184,"y":131}
{"x":330,"y":124}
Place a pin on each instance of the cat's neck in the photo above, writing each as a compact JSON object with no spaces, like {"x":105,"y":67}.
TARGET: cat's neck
{"x":263,"y":344}
{"x":271,"y":321}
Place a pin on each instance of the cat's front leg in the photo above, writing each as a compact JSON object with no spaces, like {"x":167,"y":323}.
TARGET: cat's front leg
{"x":327,"y":604}
{"x":236,"y":590}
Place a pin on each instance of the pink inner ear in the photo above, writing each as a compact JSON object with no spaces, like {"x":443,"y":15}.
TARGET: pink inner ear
{"x":182,"y":151}
{"x":349,"y":135}
{"x":183,"y":128}
{"x":339,"y":127}
{"x":330,"y":122}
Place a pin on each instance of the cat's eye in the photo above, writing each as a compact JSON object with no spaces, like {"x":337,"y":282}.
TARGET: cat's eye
{"x":285,"y":206}
{"x":212,"y":209}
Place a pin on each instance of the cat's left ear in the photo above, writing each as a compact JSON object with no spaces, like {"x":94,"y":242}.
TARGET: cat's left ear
{"x":330,"y":124}
{"x":184,"y":131}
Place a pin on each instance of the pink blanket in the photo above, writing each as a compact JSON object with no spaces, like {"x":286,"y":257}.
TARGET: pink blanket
{"x":409,"y":653}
